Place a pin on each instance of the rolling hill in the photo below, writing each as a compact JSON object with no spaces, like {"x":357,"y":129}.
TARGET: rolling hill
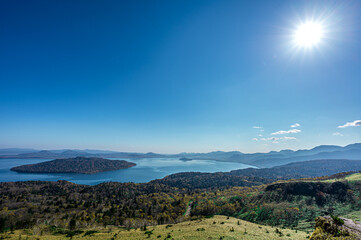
{"x":217,"y":227}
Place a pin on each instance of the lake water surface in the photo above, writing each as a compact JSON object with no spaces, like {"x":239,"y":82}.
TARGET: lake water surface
{"x":147,"y":169}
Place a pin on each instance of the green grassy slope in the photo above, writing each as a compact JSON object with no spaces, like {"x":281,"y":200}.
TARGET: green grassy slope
{"x":217,"y":227}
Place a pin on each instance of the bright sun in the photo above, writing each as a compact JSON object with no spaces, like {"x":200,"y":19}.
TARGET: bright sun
{"x":308,"y":34}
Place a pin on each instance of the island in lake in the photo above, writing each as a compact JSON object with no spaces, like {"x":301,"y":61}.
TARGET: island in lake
{"x":185,"y":159}
{"x":85,"y":165}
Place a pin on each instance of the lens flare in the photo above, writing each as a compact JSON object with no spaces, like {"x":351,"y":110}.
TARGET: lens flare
{"x":308,"y":34}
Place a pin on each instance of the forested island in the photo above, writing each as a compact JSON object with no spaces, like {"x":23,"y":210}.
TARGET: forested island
{"x":85,"y":165}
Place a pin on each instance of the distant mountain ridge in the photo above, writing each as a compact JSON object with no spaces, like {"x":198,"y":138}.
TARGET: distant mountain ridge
{"x":44,"y":154}
{"x":15,"y":151}
{"x":273,"y":158}
{"x":270,"y":159}
{"x":351,"y":154}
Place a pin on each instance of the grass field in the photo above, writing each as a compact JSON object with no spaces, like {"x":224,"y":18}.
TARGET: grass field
{"x":354,"y":177}
{"x":350,"y":178}
{"x":355,"y":216}
{"x":217,"y":227}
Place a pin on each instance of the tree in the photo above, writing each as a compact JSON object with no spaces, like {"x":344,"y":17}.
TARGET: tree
{"x":72,"y":224}
{"x":2,"y":225}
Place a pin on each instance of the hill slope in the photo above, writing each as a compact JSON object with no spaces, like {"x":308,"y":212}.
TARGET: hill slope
{"x":254,"y":176}
{"x":217,"y":227}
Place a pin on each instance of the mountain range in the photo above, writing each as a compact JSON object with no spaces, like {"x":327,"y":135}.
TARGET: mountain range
{"x":270,"y":159}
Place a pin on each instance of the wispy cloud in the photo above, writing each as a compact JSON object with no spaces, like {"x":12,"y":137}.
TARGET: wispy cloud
{"x":278,"y":139}
{"x":286,"y":132}
{"x":337,"y":134}
{"x":288,"y":138}
{"x":259,"y":128}
{"x":295,"y":125}
{"x":355,"y":123}
{"x":255,"y":139}
{"x":269,"y":139}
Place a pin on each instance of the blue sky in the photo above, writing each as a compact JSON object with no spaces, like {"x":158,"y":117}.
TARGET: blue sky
{"x":174,"y":76}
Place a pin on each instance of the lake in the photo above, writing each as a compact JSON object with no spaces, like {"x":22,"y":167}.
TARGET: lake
{"x":147,"y":169}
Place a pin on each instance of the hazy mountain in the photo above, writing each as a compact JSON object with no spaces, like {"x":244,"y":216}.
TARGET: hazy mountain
{"x":52,"y":154}
{"x":217,"y":155}
{"x":274,"y":158}
{"x":270,"y":159}
{"x":95,"y":151}
{"x":67,"y":153}
{"x":351,"y":154}
{"x":15,"y":151}
{"x":91,"y":151}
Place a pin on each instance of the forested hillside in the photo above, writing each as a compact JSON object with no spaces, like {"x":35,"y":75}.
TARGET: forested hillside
{"x":314,"y":168}
{"x":68,"y":205}
{"x":254,"y":176}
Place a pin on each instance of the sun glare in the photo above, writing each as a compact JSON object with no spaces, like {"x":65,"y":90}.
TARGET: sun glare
{"x":308,"y":34}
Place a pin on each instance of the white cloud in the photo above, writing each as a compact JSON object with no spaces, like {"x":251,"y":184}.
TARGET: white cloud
{"x":286,"y":132}
{"x":255,"y":139}
{"x":295,"y":125}
{"x":355,"y":123}
{"x":337,"y":134}
{"x":257,"y":127}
